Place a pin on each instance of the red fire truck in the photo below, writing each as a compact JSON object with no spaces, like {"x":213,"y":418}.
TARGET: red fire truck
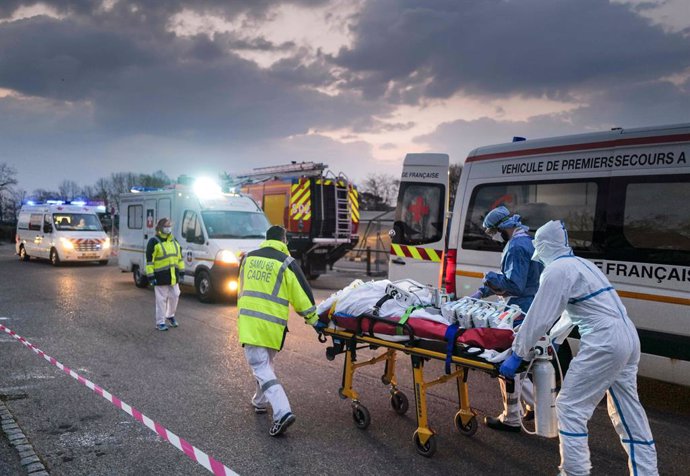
{"x":319,"y":210}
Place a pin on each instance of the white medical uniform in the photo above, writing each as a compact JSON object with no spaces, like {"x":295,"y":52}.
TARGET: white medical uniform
{"x":606,"y":362}
{"x":268,"y":388}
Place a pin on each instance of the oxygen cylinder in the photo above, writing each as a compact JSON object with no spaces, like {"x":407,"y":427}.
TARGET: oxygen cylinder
{"x":544,"y":377}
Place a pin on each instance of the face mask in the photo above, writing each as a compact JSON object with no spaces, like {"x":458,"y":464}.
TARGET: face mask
{"x":539,"y":249}
{"x":497,"y":237}
{"x":167,"y":230}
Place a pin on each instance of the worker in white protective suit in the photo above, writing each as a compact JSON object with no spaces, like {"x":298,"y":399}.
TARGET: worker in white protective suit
{"x":605,"y":364}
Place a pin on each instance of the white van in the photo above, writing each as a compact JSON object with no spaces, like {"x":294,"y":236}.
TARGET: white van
{"x":214,"y":230}
{"x":61,"y":232}
{"x":625,"y":198}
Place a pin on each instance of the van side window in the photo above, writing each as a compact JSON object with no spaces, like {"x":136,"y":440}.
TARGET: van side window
{"x":574,"y":202}
{"x":35,"y":222}
{"x":419,"y":213}
{"x":655,"y":220}
{"x":135,"y":217}
{"x":191,"y":228}
{"x":23,"y":223}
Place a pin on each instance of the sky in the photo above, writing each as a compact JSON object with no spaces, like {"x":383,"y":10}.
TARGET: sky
{"x":196,"y":87}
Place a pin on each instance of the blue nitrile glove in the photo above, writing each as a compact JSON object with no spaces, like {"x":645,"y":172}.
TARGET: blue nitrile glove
{"x":477,"y":295}
{"x":320,"y":326}
{"x":152,"y":281}
{"x":510,"y":366}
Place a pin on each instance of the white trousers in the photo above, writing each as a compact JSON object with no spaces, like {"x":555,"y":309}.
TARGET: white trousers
{"x":511,"y":401}
{"x":605,"y":365}
{"x":268,"y":388}
{"x":167,"y":298}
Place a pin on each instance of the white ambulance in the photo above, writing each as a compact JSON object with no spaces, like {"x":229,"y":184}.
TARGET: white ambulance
{"x":214,"y":230}
{"x":624,"y":195}
{"x":61,"y":232}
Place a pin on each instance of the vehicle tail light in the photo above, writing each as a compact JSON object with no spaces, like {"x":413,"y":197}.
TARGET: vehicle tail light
{"x":450,"y":260}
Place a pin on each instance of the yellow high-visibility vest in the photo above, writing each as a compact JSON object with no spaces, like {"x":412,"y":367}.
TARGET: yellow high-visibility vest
{"x":271,"y":280}
{"x":164,"y":260}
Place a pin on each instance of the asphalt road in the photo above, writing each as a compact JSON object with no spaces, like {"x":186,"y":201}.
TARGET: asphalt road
{"x":194,"y":381}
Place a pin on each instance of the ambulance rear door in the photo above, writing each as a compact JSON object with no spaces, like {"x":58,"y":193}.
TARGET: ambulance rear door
{"x":150,"y":218}
{"x":418,"y":234}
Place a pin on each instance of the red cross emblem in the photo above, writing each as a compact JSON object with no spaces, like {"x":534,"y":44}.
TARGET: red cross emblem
{"x":419,"y":209}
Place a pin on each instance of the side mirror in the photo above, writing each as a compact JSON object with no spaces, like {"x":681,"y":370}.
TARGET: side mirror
{"x":47,"y":228}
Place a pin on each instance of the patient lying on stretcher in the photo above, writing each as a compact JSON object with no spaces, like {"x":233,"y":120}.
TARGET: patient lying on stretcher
{"x":414,"y":312}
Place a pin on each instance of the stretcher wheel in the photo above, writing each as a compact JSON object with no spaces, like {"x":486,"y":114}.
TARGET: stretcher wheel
{"x":469,"y":429}
{"x":361,"y":416}
{"x":428,"y":449}
{"x":341,"y":394}
{"x":399,"y":402}
{"x":385,"y":380}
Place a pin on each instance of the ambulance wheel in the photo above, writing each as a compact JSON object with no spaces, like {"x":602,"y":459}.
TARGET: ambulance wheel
{"x":428,"y":449}
{"x":54,"y":258}
{"x":204,"y":287}
{"x":469,"y":429}
{"x":361,"y":416}
{"x":140,"y":280}
{"x":400,"y":403}
{"x":22,"y":254}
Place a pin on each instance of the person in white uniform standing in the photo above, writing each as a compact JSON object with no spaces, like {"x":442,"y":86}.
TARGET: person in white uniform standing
{"x":605,"y":364}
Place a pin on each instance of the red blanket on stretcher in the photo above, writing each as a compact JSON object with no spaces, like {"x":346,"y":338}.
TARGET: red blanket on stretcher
{"x":497,"y":339}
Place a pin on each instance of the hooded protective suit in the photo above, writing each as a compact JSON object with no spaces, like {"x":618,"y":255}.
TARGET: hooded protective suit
{"x":606,"y":362}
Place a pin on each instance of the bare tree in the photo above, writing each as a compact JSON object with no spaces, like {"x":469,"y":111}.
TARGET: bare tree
{"x":7,"y":179}
{"x":41,"y":195}
{"x":7,"y":176}
{"x":384,"y":186}
{"x":158,"y":179}
{"x":69,"y":189}
{"x":119,"y":183}
{"x":453,"y":179}
{"x":14,"y":204}
{"x":88,"y":192}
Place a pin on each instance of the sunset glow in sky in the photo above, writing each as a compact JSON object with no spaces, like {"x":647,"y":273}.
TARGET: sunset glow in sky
{"x":192,"y":87}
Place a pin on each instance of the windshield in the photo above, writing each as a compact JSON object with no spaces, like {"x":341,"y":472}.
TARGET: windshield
{"x":76,"y":222}
{"x":229,"y":224}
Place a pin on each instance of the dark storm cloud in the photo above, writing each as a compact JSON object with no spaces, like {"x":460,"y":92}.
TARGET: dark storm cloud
{"x":65,"y":59}
{"x":531,"y":47}
{"x":167,"y":84}
{"x":153,"y":9}
{"x":630,"y":106}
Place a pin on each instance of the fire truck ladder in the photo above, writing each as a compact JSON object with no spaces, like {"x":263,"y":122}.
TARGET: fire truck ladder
{"x":343,"y":213}
{"x":297,"y":169}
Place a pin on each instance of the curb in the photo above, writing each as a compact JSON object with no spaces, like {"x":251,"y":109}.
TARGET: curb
{"x":29,"y":459}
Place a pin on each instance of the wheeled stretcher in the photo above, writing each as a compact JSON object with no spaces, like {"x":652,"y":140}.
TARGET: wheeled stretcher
{"x":459,"y":359}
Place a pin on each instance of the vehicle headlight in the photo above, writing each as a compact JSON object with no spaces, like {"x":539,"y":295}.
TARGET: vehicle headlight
{"x":67,"y":243}
{"x":106,"y":244}
{"x":227,"y":257}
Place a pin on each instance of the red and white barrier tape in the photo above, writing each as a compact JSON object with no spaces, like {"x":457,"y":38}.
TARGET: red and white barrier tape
{"x":213,"y":465}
